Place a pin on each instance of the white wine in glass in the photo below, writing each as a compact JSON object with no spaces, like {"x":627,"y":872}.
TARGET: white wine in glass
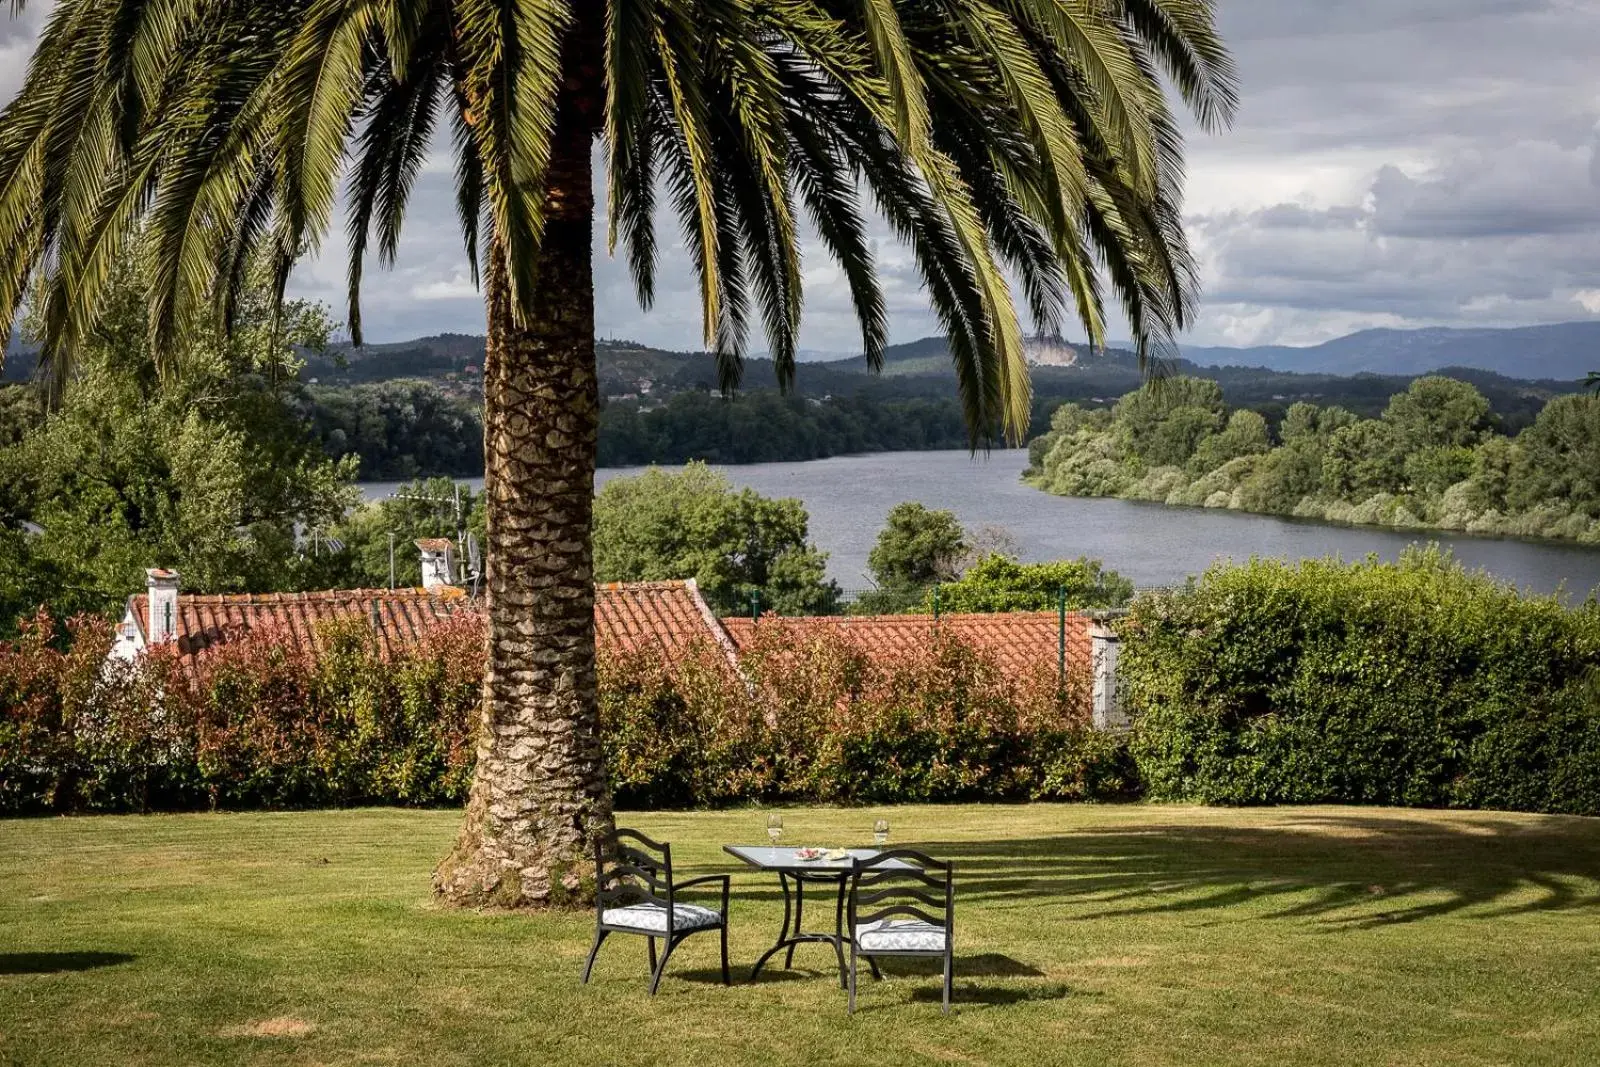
{"x":880,"y":832}
{"x":774,"y":828}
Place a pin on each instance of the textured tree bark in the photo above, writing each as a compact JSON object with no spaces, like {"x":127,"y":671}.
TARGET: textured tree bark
{"x":539,"y":795}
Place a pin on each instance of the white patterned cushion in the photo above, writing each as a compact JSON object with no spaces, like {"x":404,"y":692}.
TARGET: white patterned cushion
{"x":900,"y":935}
{"x":649,"y":916}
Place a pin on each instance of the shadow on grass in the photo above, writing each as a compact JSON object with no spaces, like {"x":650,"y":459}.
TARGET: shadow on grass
{"x":962,"y":995}
{"x":740,"y":973}
{"x":1351,"y":871}
{"x":57,"y":962}
{"x":978,"y":965}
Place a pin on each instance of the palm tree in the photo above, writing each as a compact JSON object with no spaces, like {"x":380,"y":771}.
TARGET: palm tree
{"x":1010,"y":144}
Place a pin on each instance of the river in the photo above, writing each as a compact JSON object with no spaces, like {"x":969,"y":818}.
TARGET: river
{"x":1154,"y":545}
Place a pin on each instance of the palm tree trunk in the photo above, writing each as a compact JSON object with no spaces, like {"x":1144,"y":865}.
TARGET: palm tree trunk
{"x":539,"y":795}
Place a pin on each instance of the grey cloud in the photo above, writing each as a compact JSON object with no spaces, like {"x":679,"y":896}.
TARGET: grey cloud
{"x":1525,"y":189}
{"x":1247,"y":20}
{"x":1402,"y":74}
{"x":1449,"y":249}
{"x":16,"y":46}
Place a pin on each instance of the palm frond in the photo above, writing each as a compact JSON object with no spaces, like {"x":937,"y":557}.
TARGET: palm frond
{"x":1026,"y":142}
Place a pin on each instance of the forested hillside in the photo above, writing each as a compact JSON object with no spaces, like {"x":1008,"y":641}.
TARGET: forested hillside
{"x":661,"y":407}
{"x":1437,"y":456}
{"x":414,"y":408}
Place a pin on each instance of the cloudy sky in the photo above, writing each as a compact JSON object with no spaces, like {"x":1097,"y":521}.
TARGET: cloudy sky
{"x":1394,"y":163}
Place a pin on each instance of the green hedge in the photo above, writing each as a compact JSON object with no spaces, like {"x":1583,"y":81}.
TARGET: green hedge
{"x":261,"y":722}
{"x":1414,"y":683}
{"x":814,"y":717}
{"x":1411,"y":683}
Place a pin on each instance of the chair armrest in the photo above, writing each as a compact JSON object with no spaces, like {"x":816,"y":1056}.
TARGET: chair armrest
{"x":703,"y":880}
{"x":708,"y":879}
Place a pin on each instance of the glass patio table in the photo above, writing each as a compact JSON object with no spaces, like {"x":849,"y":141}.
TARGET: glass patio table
{"x":790,"y":866}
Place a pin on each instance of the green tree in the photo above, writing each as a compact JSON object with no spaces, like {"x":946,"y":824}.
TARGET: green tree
{"x":30,"y":580}
{"x":1557,"y":459}
{"x":1283,"y":478}
{"x":917,"y":546}
{"x":204,"y":468}
{"x":1033,"y":136}
{"x":1164,"y":422}
{"x":398,"y":429}
{"x":1000,"y":583}
{"x":1435,"y":425}
{"x":1300,"y":422}
{"x":1436,"y":457}
{"x":19,"y":413}
{"x":1244,"y":435}
{"x":1362,"y":459}
{"x":740,"y":547}
{"x":1438,"y":412}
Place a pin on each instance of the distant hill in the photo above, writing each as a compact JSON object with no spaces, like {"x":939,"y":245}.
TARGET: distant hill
{"x":1359,"y":372}
{"x":1565,"y":351}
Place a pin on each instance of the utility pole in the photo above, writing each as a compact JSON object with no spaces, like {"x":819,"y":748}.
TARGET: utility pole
{"x":454,"y":499}
{"x":461,"y":536}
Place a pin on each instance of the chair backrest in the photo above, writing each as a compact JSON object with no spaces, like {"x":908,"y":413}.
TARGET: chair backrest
{"x":634,"y":870}
{"x":917,"y":886}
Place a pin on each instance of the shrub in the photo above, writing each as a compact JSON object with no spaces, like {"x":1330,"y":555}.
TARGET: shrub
{"x":937,"y":722}
{"x":1414,"y":683}
{"x":79,"y":733}
{"x":998,"y":583}
{"x":1547,"y":760}
{"x":265,"y":721}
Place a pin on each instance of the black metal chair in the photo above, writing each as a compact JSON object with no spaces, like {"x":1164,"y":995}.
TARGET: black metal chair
{"x":900,"y":880}
{"x":635,"y":894}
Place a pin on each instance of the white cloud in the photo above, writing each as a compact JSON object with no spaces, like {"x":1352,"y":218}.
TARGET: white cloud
{"x":459,"y":287}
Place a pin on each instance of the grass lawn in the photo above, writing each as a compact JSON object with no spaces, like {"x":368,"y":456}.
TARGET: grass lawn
{"x":1095,"y":935}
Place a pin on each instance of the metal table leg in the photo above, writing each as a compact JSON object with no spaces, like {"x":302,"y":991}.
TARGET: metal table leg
{"x":791,"y":934}
{"x":783,"y":934}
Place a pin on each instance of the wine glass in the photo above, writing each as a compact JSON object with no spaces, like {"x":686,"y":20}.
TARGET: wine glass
{"x":880,"y":832}
{"x":774,"y":828}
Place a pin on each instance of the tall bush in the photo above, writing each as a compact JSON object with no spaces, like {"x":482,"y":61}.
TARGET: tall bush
{"x":1415,"y":683}
{"x":266,"y":721}
{"x":999,"y":583}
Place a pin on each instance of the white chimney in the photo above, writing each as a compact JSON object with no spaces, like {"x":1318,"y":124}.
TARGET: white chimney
{"x":163,"y":586}
{"x":1107,"y":710}
{"x":438,"y":562}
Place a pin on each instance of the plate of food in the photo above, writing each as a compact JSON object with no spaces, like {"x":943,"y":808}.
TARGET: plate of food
{"x":809,"y":854}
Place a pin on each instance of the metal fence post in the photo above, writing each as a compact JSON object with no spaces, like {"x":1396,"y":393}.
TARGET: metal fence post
{"x":936,"y":602}
{"x":1061,"y":637}
{"x":755,"y":604}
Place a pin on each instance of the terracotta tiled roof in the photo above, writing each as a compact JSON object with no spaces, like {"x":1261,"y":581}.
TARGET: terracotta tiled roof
{"x":435,"y":544}
{"x":1019,"y":640}
{"x":399,"y":615}
{"x":628,"y":616}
